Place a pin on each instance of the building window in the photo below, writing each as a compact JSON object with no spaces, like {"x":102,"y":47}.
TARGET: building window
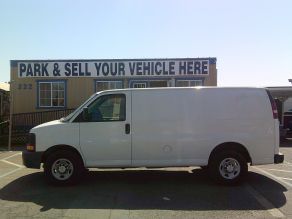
{"x":157,"y":83}
{"x":52,"y":94}
{"x":139,"y":85}
{"x":188,"y":83}
{"x":108,"y":85}
{"x":149,"y":83}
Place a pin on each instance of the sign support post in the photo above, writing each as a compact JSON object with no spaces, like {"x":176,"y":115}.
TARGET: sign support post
{"x":10,"y":116}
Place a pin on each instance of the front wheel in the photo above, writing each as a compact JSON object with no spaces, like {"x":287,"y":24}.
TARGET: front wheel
{"x":228,"y":167}
{"x":63,"y":168}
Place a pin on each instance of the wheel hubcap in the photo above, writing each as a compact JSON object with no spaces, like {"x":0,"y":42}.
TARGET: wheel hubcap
{"x":229,"y":168}
{"x":62,"y":169}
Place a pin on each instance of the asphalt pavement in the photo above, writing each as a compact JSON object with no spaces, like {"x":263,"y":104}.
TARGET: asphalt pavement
{"x":141,"y":193}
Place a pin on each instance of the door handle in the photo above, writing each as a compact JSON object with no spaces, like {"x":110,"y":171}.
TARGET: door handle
{"x":127,"y":128}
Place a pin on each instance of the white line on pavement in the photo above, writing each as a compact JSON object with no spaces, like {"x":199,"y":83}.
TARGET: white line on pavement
{"x":13,"y":155}
{"x":286,"y":164}
{"x":286,"y":171}
{"x":285,"y":178}
{"x":10,"y":172}
{"x":275,"y":212}
{"x":273,"y":176}
{"x":6,"y":161}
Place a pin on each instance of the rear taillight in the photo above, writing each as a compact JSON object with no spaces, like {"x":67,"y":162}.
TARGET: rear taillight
{"x":30,"y":146}
{"x":274,"y":106}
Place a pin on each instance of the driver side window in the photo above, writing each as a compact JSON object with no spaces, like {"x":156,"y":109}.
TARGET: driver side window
{"x":106,"y":108}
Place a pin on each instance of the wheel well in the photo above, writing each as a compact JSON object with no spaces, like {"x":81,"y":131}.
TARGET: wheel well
{"x":230,"y":146}
{"x":58,"y":148}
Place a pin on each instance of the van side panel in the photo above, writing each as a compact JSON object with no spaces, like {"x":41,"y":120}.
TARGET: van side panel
{"x":163,"y":133}
{"x":56,"y":133}
{"x":181,"y":127}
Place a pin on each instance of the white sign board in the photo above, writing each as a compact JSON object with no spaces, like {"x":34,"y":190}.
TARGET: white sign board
{"x":113,"y":68}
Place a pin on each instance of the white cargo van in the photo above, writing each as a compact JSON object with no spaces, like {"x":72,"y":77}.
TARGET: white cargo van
{"x":222,"y":129}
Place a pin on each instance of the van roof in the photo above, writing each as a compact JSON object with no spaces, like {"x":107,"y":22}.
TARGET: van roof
{"x":181,"y":88}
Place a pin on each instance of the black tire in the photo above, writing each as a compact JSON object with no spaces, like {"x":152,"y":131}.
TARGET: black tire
{"x":237,"y":164}
{"x":66,"y":161}
{"x":204,"y":168}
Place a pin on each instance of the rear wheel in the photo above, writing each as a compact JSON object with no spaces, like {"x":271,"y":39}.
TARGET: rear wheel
{"x":63,"y":167}
{"x":228,"y":167}
{"x":204,"y":167}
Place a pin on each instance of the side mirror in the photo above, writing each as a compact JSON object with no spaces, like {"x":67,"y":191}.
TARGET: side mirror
{"x":85,"y":114}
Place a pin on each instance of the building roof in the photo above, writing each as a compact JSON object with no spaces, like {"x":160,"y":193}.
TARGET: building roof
{"x":4,"y":86}
{"x":13,"y":63}
{"x":280,"y":92}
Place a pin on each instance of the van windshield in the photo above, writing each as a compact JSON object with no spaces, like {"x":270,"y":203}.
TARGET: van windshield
{"x":67,"y":118}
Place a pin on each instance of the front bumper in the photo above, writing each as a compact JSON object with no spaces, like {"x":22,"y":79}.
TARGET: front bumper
{"x":278,"y":158}
{"x":32,"y":159}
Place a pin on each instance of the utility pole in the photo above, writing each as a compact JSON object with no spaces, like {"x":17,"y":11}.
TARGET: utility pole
{"x":10,"y":116}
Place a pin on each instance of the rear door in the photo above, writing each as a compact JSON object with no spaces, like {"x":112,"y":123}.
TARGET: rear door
{"x":105,"y":139}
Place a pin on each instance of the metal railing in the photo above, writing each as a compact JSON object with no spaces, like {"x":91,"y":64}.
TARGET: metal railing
{"x":23,"y":122}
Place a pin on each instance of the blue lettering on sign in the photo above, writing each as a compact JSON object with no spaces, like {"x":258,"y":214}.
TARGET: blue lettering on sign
{"x":117,"y":68}
{"x":67,"y":69}
{"x":171,"y":68}
{"x":132,"y":67}
{"x":197,"y":67}
{"x":190,"y":67}
{"x":139,"y":68}
{"x":146,"y":67}
{"x":165,"y":72}
{"x":157,"y":70}
{"x":204,"y":67}
{"x":121,"y":68}
{"x":182,"y":68}
{"x":22,"y":69}
{"x":105,"y":69}
{"x":97,"y":67}
{"x":37,"y":69}
{"x":81,"y":73}
{"x":44,"y":69}
{"x":87,"y":73}
{"x":74,"y":69}
{"x":152,"y":68}
{"x":29,"y":70}
{"x":114,"y":69}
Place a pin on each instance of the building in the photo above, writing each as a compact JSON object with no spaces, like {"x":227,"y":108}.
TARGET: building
{"x":4,"y":101}
{"x":50,"y":85}
{"x":4,"y":113}
{"x":283,"y":98}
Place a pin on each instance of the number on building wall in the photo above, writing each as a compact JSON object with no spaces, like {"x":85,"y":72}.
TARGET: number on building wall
{"x":24,"y":86}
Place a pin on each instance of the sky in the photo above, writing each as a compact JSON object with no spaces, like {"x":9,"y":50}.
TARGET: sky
{"x":252,"y":40}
